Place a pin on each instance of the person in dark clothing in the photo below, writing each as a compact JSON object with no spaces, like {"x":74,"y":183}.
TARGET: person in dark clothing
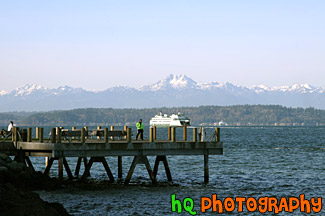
{"x":140,"y":129}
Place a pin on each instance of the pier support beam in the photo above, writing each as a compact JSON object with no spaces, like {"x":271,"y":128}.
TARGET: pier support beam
{"x":206,"y":169}
{"x":104,"y":162}
{"x":21,"y":157}
{"x":67,"y":168}
{"x":62,"y":162}
{"x":29,"y":163}
{"x":49,"y":165}
{"x":119,"y":167}
{"x":162,"y":158}
{"x":76,"y":172}
{"x":140,"y":160}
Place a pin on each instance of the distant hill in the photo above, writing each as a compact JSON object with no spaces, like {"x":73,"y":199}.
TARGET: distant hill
{"x":203,"y":115}
{"x":172,"y":91}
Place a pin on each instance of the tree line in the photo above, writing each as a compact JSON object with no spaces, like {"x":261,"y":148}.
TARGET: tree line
{"x":202,"y":115}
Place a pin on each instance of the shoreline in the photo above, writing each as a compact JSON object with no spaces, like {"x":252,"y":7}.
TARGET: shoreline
{"x":17,"y":186}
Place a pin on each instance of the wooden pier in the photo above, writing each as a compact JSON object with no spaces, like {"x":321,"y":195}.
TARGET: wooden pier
{"x":92,"y":146}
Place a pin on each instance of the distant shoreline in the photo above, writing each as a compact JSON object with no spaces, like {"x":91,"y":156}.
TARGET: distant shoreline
{"x":237,"y":115}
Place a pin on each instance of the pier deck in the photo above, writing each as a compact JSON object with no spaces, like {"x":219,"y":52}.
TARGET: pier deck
{"x":57,"y":148}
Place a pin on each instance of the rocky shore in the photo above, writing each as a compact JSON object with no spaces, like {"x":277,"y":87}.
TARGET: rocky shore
{"x":16,"y":185}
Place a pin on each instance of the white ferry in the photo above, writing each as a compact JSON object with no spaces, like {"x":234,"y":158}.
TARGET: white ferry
{"x":174,"y":120}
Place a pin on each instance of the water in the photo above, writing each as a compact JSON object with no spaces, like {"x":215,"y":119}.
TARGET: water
{"x":257,"y":161}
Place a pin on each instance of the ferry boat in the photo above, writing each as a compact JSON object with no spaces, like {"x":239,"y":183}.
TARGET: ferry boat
{"x":174,"y":120}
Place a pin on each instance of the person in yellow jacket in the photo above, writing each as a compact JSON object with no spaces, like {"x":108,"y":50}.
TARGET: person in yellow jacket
{"x":140,"y":130}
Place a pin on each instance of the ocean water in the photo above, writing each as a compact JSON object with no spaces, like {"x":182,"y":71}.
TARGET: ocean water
{"x":257,"y":162}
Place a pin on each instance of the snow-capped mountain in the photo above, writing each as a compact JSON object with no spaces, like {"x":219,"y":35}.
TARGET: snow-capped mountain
{"x":173,"y":90}
{"x":33,"y":89}
{"x":2,"y":92}
{"x":28,"y":90}
{"x":170,"y":82}
{"x":297,"y":88}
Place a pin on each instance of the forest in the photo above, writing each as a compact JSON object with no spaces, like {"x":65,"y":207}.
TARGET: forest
{"x":238,"y":115}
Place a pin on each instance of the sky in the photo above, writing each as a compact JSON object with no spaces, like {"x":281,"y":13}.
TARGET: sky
{"x":101,"y":44}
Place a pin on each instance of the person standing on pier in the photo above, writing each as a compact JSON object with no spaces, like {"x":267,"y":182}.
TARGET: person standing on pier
{"x":10,"y":126}
{"x":140,"y":129}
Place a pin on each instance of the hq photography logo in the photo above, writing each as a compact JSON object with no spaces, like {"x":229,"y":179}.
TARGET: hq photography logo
{"x":250,"y":204}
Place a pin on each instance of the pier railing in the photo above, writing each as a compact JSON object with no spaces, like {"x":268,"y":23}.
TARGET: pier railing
{"x":59,"y":134}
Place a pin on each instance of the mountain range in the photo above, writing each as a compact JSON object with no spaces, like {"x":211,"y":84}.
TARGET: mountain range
{"x":172,"y":91}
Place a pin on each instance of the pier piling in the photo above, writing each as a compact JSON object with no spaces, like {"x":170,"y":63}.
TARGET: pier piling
{"x":73,"y":129}
{"x":217,"y":134}
{"x":128,"y":135}
{"x":60,"y":161}
{"x":184,"y":133}
{"x":206,"y":169}
{"x":53,"y":135}
{"x":112,"y":129}
{"x":82,"y":135}
{"x":194,"y":134}
{"x":151,"y":134}
{"x":86,"y":132}
{"x":41,"y":134}
{"x":173,"y":134}
{"x":169,"y":133}
{"x":29,"y":135}
{"x":37,"y":133}
{"x":13,"y":133}
{"x":200,"y":134}
{"x":154,"y":132}
{"x":99,"y":128}
{"x":58,"y":135}
{"x":106,"y":135}
{"x":119,"y":167}
{"x":125,"y":129}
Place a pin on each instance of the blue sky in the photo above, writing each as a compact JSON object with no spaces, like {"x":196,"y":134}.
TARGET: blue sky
{"x":100,"y":44}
